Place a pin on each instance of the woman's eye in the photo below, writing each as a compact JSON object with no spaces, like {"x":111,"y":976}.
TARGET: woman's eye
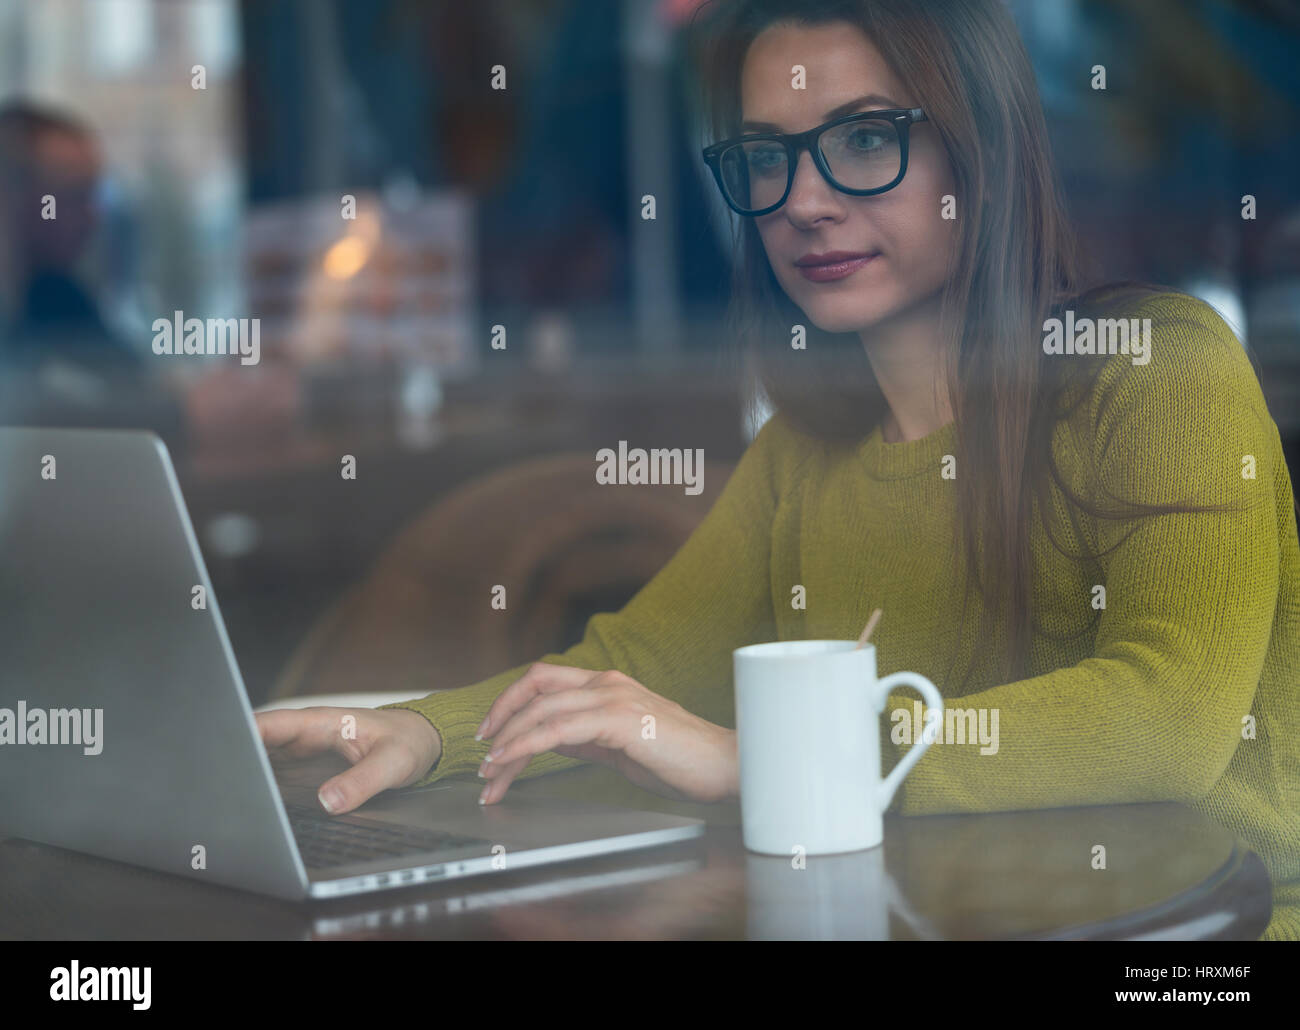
{"x":866,"y":140}
{"x":767,"y":159}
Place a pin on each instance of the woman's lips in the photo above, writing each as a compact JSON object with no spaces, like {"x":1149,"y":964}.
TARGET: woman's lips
{"x":837,"y":270}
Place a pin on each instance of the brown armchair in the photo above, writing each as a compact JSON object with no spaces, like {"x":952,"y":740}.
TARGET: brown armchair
{"x":563,"y":546}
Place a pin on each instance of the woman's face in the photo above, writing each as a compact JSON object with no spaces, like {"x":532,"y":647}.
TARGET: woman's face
{"x":901,"y":230}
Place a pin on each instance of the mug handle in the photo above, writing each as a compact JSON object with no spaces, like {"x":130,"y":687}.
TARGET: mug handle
{"x":886,"y":788}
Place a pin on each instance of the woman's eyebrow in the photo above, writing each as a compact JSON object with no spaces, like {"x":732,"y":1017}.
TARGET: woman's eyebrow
{"x":869,"y":99}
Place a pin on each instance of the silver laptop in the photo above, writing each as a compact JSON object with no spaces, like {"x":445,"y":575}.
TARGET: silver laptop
{"x":126,"y":731}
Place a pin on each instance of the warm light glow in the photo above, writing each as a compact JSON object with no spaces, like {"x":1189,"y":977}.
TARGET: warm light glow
{"x":346,"y":257}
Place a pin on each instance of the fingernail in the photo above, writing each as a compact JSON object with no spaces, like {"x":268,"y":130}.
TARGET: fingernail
{"x":331,"y":799}
{"x":481,"y":767}
{"x":478,"y":735}
{"x":495,"y":753}
{"x":488,"y":758}
{"x":482,"y":798}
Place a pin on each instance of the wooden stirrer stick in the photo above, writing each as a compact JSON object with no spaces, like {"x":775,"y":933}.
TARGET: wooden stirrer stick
{"x":866,"y":630}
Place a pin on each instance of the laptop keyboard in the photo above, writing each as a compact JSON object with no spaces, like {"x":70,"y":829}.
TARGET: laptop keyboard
{"x":329,"y":841}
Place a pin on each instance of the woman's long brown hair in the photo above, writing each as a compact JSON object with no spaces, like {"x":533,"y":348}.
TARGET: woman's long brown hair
{"x":1014,"y":265}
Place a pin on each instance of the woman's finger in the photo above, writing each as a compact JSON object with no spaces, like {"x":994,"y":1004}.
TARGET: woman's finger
{"x":585,"y":730}
{"x":547,"y":706}
{"x":385,"y":765}
{"x":541,"y":677}
{"x":499,"y":776}
{"x":299,"y":732}
{"x":590,"y":726}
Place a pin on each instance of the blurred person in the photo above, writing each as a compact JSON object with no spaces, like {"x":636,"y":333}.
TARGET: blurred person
{"x":47,"y":153}
{"x":62,"y":364}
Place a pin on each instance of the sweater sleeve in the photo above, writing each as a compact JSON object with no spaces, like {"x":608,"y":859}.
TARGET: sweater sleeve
{"x":1156,"y":712}
{"x":675,"y":636}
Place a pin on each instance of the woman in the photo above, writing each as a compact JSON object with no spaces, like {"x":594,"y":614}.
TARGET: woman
{"x":1099,"y":546}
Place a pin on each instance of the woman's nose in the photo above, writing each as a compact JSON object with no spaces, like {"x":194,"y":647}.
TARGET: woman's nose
{"x":811,"y":196}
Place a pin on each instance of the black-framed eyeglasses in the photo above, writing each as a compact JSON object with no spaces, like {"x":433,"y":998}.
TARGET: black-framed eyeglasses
{"x":859,"y":154}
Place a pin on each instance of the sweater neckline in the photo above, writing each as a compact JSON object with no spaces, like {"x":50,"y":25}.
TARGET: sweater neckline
{"x":909,"y":458}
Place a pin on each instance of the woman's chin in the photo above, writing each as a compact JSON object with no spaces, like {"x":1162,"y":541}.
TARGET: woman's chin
{"x":845,"y":321}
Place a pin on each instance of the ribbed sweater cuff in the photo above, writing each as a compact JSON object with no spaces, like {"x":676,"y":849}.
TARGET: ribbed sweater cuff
{"x":456,"y":718}
{"x":457,"y":714}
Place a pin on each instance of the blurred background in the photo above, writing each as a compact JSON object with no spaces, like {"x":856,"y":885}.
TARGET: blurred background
{"x":205,"y":156}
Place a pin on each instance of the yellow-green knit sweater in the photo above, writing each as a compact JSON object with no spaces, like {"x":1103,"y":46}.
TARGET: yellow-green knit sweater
{"x":1144,"y":700}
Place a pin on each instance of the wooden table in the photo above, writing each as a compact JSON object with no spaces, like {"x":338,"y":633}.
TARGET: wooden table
{"x":1170,"y":874}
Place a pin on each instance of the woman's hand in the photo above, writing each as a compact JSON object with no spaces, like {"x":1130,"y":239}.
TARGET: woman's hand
{"x":391,"y":747}
{"x":610,"y":718}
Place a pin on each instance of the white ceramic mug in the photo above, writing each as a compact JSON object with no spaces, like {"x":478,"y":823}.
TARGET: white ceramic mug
{"x":808,"y":735}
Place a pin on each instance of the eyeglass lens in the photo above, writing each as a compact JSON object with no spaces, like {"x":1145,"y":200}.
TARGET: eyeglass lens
{"x":863,"y":155}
